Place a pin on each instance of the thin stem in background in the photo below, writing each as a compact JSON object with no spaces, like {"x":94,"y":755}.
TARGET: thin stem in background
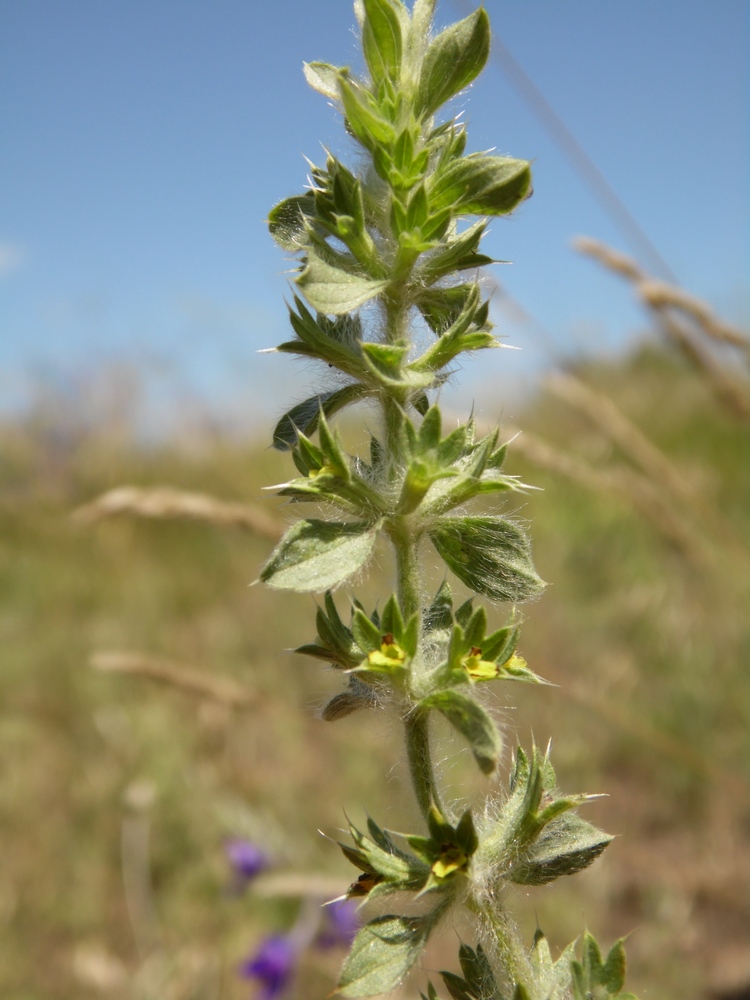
{"x":420,"y":761}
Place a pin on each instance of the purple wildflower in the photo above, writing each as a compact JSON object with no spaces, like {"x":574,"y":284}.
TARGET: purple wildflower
{"x":272,"y":965}
{"x":247,"y":859}
{"x":340,"y":924}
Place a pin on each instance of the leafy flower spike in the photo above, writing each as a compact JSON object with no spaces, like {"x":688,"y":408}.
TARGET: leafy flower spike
{"x":386,"y":298}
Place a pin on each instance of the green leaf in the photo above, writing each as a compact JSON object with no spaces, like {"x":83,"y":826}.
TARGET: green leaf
{"x":553,"y":978}
{"x":477,"y":971}
{"x":464,"y":612}
{"x":421,"y":403}
{"x":383,"y":858}
{"x":357,"y":696}
{"x":465,"y":334}
{"x":287,"y":221}
{"x":429,"y":431}
{"x":472,"y":721}
{"x":346,"y":191}
{"x":479,"y":983}
{"x":490,"y":555}
{"x":329,"y":634}
{"x":340,"y":631}
{"x":594,"y":977}
{"x":334,"y":341}
{"x":342,"y":705}
{"x":466,"y":835}
{"x":333,"y":291}
{"x":381,"y":39}
{"x":417,"y":211}
{"x":333,"y":451}
{"x":481,"y":185}
{"x":307,"y":456}
{"x":383,"y":838}
{"x":476,"y":628}
{"x":385,"y":362}
{"x":421,"y":16}
{"x":363,"y":115}
{"x":318,"y":242}
{"x":449,"y":141}
{"x":565,"y":846}
{"x":349,"y":494}
{"x":433,"y":229}
{"x":366,"y":633}
{"x":403,"y":150}
{"x":455,"y":254}
{"x":319,"y":652}
{"x":442,"y":306}
{"x":536,"y":837}
{"x":455,"y":58}
{"x":392,"y":620}
{"x":613,"y":972}
{"x":501,"y":645}
{"x":315,"y":555}
{"x":334,"y":638}
{"x":410,"y":638}
{"x":452,"y":447}
{"x":324,"y":78}
{"x":382,"y":953}
{"x":456,"y":986}
{"x":439,"y":616}
{"x":304,"y":417}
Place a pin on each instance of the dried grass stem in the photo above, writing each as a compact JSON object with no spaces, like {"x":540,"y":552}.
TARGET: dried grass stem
{"x":195,"y":682}
{"x":163,"y":502}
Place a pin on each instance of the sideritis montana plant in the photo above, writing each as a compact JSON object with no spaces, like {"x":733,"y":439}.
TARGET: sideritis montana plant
{"x":387,"y":296}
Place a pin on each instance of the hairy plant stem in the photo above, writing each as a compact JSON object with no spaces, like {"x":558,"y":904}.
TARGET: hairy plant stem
{"x":409,"y":579}
{"x":408,"y":572}
{"x":392,"y":421}
{"x":509,"y":950}
{"x":420,"y":761}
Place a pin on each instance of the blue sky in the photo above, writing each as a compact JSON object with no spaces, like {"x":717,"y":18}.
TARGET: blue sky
{"x":143,"y":143}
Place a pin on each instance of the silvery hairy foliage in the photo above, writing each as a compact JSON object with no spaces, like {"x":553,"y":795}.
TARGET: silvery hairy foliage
{"x":388,"y":250}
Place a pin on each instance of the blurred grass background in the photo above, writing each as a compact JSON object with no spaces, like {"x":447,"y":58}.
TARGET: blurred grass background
{"x":116,"y":793}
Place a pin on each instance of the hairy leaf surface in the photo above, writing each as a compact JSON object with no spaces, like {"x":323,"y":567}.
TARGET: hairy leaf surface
{"x":490,"y":555}
{"x":315,"y":555}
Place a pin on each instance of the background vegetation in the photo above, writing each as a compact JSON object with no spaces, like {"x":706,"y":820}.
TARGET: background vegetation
{"x":116,"y":794}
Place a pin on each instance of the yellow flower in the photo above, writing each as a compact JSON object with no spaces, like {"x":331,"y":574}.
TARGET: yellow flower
{"x":390,"y":656}
{"x":324,"y":470}
{"x":452,"y":859}
{"x":477,"y":668}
